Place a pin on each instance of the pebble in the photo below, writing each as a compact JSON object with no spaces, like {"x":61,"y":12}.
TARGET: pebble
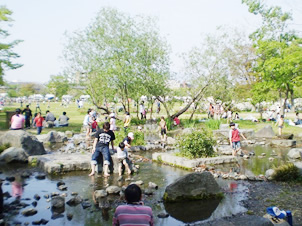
{"x":62,"y":188}
{"x":263,"y":154}
{"x":40,"y":176}
{"x":74,"y":193}
{"x":37,"y":197}
{"x":69,"y":216}
{"x":163,"y":215}
{"x":271,"y":159}
{"x":29,"y":212}
{"x":10,"y":179}
{"x":153,"y":185}
{"x":34,"y":203}
{"x":46,"y":196}
{"x":60,"y":183}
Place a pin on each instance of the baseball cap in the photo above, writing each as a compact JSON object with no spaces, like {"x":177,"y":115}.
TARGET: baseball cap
{"x":131,"y":135}
{"x":276,"y":212}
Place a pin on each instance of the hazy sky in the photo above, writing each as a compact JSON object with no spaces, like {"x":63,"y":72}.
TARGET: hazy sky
{"x":42,"y":24}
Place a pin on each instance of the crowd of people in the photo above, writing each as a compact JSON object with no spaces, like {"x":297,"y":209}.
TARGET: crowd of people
{"x":24,"y":119}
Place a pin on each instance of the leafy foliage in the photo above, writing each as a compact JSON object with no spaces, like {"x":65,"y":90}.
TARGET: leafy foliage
{"x":58,"y":85}
{"x":6,"y":53}
{"x":196,"y":145}
{"x":213,"y":124}
{"x":288,"y":172}
{"x":4,"y":147}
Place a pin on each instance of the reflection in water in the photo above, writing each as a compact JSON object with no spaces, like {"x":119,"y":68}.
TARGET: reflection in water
{"x":192,"y":211}
{"x":17,"y":189}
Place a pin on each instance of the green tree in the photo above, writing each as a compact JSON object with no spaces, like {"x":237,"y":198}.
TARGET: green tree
{"x":58,"y":85}
{"x":278,"y":50}
{"x":6,"y":53}
{"x":119,"y":56}
{"x":27,"y":89}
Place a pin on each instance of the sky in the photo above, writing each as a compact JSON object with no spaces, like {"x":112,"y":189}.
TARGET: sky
{"x":42,"y":26}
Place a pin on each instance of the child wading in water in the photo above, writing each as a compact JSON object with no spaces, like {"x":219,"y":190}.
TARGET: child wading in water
{"x":234,"y":136}
{"x":280,"y":123}
{"x":163,"y":129}
{"x":122,"y":155}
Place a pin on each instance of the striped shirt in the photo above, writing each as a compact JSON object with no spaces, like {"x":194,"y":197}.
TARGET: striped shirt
{"x":138,"y":215}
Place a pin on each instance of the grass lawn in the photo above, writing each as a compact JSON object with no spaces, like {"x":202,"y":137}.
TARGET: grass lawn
{"x":77,"y":115}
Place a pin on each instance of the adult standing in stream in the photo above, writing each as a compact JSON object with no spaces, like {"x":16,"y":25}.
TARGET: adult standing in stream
{"x":101,"y":147}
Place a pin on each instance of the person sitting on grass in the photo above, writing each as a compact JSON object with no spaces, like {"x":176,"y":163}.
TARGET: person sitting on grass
{"x":17,"y":120}
{"x":63,"y":120}
{"x":134,"y":213}
{"x":128,"y":139}
{"x":101,"y":147}
{"x":234,"y":136}
{"x":122,"y":155}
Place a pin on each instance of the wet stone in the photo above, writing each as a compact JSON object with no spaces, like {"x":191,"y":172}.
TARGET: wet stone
{"x":29,"y":212}
{"x":42,"y":221}
{"x":40,"y":176}
{"x":153,"y":185}
{"x":74,"y":193}
{"x":74,"y":201}
{"x":46,"y":196}
{"x":37,"y":197}
{"x":10,"y":179}
{"x":69,"y":216}
{"x":62,"y":188}
{"x":86,"y":204}
{"x":163,"y":215}
{"x":60,"y":183}
{"x":34,"y":203}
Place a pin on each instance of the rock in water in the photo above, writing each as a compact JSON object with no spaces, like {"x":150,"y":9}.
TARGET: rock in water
{"x":75,"y":201}
{"x":29,"y":212}
{"x":13,"y":154}
{"x":22,"y":139}
{"x":100,"y":194}
{"x":295,"y":153}
{"x":113,"y":189}
{"x":58,"y":204}
{"x":266,"y":132}
{"x":194,"y":186}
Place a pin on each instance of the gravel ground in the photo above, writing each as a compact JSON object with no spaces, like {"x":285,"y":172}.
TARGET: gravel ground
{"x":286,"y":196}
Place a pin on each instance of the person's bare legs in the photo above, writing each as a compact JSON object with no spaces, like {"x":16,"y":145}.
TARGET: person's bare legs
{"x":92,"y":170}
{"x":106,"y":174}
{"x":120,"y":170}
{"x":127,"y":166}
{"x":280,"y":131}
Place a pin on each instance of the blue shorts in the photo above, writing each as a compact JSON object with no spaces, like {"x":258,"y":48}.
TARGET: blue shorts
{"x":104,"y":150}
{"x":236,"y":145}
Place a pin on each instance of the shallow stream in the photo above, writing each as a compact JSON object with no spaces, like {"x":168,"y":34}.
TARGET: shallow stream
{"x":162,"y":175}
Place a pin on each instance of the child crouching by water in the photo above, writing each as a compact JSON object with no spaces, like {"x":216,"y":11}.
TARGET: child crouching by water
{"x":122,"y":155}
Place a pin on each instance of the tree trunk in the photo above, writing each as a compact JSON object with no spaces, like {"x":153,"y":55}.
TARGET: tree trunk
{"x":101,"y":108}
{"x":128,"y":102}
{"x":292,"y":100}
{"x":285,"y":100}
{"x":152,"y":102}
{"x":194,"y":110}
{"x":137,"y":109}
{"x":165,"y":106}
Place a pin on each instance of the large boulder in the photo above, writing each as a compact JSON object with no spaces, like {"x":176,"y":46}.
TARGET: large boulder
{"x":171,"y":141}
{"x":22,"y":139}
{"x":193,"y":186}
{"x":266,"y":132}
{"x":295,"y":153}
{"x":283,"y":143}
{"x":52,"y":137}
{"x":225,"y":150}
{"x":248,"y":133}
{"x":13,"y":154}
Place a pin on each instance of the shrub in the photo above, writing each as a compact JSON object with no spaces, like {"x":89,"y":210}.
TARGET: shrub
{"x":196,"y":145}
{"x":288,"y":172}
{"x":169,"y":124}
{"x":136,"y":121}
{"x":4,"y":147}
{"x":213,"y":124}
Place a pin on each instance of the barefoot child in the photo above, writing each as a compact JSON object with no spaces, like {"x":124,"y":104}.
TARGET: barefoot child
{"x":280,"y":124}
{"x":128,"y":140}
{"x":101,"y":146}
{"x":234,"y":136}
{"x":163,"y":129}
{"x":122,"y":155}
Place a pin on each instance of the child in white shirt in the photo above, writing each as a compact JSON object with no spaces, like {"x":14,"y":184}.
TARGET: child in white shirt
{"x":122,"y":155}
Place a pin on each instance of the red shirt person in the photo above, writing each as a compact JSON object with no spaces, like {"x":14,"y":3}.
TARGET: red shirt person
{"x":39,"y":122}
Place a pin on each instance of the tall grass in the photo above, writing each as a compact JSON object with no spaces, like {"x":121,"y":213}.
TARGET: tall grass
{"x":213,"y":124}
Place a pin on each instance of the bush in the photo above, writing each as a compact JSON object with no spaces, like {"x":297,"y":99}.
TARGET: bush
{"x":4,"y":147}
{"x":288,"y":172}
{"x":196,"y":145}
{"x":213,"y":124}
{"x":136,"y":121}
